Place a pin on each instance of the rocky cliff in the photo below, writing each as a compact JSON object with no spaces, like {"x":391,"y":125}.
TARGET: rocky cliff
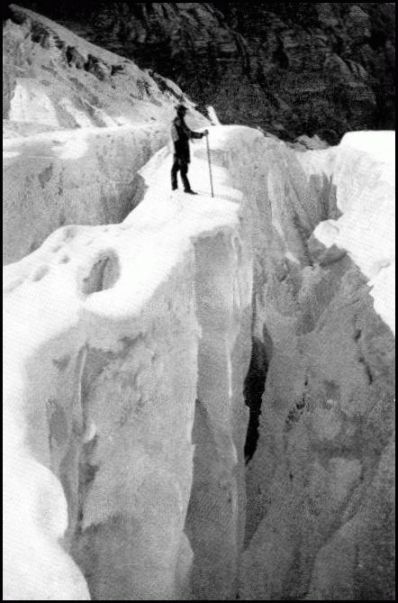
{"x":291,"y":68}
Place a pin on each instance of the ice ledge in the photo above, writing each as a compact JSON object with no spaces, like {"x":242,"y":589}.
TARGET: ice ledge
{"x":103,"y":335}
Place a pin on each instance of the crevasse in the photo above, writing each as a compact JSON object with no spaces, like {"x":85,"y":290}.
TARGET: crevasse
{"x":127,"y":351}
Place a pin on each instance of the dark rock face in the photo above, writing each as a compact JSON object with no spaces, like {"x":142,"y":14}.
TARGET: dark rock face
{"x":291,"y":68}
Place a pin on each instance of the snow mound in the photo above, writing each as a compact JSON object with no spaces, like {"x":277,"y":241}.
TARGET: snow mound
{"x":380,"y":145}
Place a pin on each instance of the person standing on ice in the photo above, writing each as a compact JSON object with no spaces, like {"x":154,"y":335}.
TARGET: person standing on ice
{"x":181,"y":134}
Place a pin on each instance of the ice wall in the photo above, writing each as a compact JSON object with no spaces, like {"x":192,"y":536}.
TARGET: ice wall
{"x":111,"y":334}
{"x":128,"y":346}
{"x":86,"y":176}
{"x":320,"y":498}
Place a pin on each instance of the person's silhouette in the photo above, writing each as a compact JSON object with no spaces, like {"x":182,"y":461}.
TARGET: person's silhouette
{"x":181,"y":134}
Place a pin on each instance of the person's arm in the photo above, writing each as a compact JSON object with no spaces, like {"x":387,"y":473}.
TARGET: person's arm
{"x":193,"y":134}
{"x":180,"y":126}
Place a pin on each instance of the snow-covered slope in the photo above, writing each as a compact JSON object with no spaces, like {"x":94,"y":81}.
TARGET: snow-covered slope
{"x":127,"y":350}
{"x":78,"y":123}
{"x":55,"y":79}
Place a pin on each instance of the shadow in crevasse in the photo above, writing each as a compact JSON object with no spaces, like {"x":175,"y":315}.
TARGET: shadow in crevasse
{"x":130,"y":197}
{"x":338,"y":325}
{"x":137,"y":190}
{"x":254,"y":387}
{"x":325,"y":192}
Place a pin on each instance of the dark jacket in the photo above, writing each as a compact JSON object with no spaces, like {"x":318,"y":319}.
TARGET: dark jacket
{"x":181,"y":134}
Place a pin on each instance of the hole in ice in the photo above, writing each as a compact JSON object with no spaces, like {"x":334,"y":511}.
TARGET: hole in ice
{"x":103,"y":274}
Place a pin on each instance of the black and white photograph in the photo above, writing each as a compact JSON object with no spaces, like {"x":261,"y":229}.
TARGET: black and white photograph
{"x":198,"y":301}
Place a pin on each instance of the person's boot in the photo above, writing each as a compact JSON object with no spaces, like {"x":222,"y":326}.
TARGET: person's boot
{"x":174,"y":187}
{"x":190,"y":192}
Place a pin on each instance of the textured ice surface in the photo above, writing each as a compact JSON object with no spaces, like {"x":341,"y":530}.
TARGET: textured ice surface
{"x":103,"y":384}
{"x":320,"y":497}
{"x":127,"y":346}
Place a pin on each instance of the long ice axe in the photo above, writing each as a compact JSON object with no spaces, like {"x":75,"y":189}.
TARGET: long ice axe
{"x":208,"y":157}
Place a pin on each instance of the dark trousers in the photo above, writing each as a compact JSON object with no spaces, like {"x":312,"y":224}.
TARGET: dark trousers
{"x":181,"y":166}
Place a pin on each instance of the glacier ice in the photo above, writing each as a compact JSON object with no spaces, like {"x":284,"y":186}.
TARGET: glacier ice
{"x":122,"y":339}
{"x":130,"y":317}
